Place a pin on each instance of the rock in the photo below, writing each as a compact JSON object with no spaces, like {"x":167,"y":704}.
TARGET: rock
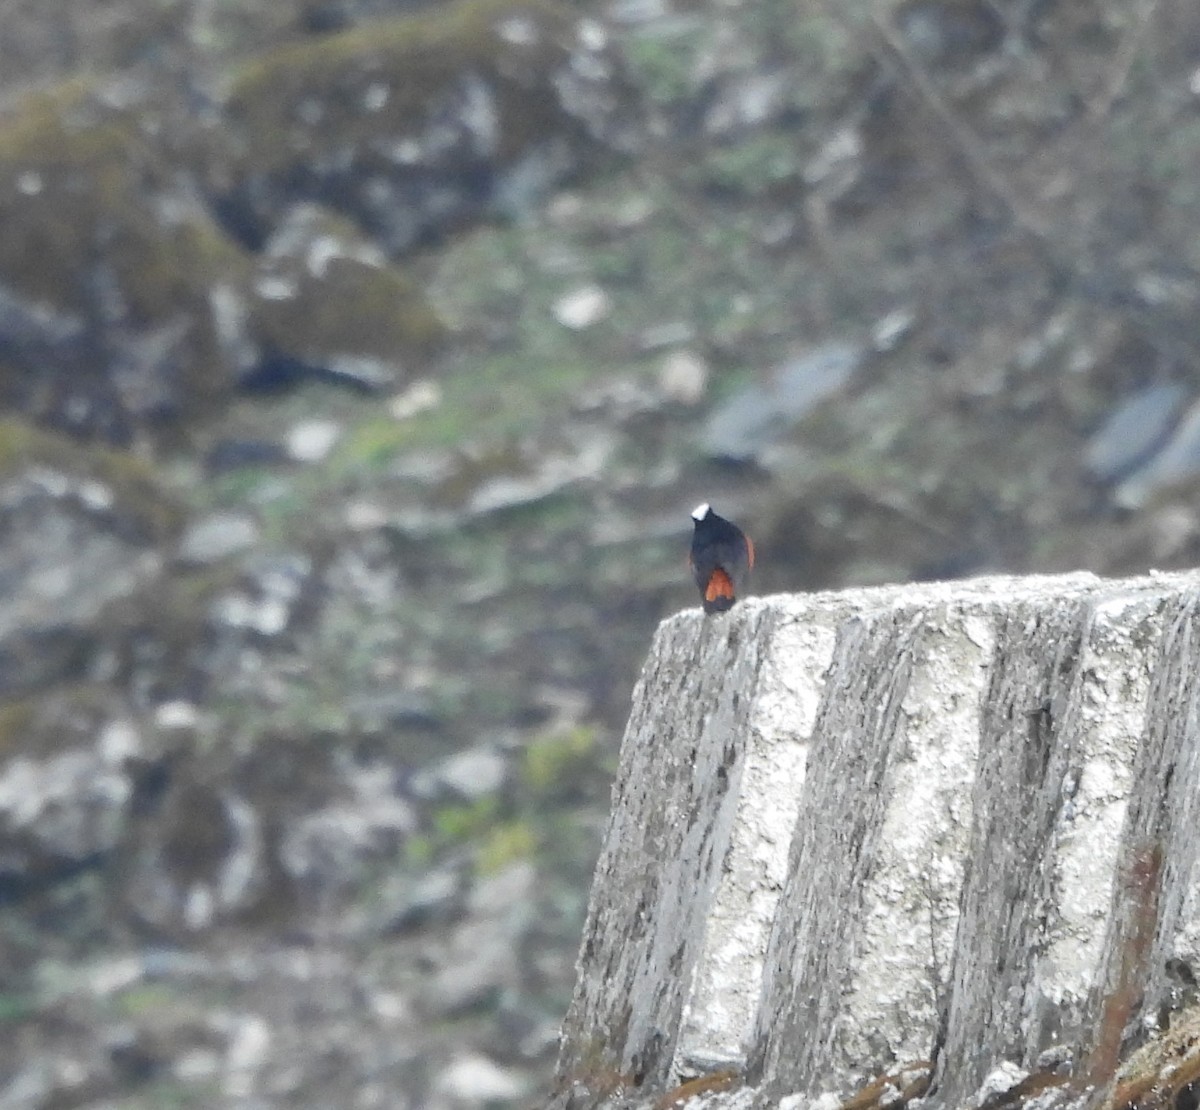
{"x":683,"y":378}
{"x":746,"y":425}
{"x":746,"y":100}
{"x":478,"y":962}
{"x":837,"y":164}
{"x":312,"y":440}
{"x":328,"y":303}
{"x":940,"y":32}
{"x":200,"y":859}
{"x":475,"y":1080}
{"x":119,"y":741}
{"x":538,"y":475}
{"x":267,"y":600}
{"x":1176,"y":463}
{"x":328,"y":852}
{"x":43,"y":1081}
{"x":121,"y":300}
{"x":499,"y":894}
{"x":217,"y":536}
{"x":408,"y":903}
{"x":67,"y":785}
{"x":416,"y":125}
{"x":847,"y":824}
{"x":471,"y":774}
{"x":79,"y":528}
{"x":365,"y":516}
{"x":384,"y":713}
{"x":621,"y":399}
{"x":178,"y":715}
{"x":1134,"y":430}
{"x":1164,"y":1070}
{"x":417,"y":398}
{"x":248,"y":1039}
{"x":1000,"y":1080}
{"x":68,"y":808}
{"x":582,"y":308}
{"x":889,"y":331}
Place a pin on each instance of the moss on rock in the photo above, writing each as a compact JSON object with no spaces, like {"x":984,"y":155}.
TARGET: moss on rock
{"x":411,"y":124}
{"x":349,"y":89}
{"x":327,"y":295}
{"x":108,"y":271}
{"x":126,"y":486}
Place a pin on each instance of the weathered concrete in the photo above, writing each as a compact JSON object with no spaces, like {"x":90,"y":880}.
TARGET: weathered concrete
{"x":852,"y":831}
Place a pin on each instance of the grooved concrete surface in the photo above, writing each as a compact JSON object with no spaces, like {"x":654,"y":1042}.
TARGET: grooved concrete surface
{"x":850,"y":827}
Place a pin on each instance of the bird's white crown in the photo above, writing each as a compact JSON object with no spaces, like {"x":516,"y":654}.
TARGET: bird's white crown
{"x":701,"y":511}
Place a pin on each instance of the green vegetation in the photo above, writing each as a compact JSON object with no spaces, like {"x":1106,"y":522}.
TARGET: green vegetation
{"x":552,"y":763}
{"x":403,"y":65}
{"x":664,"y":67}
{"x":457,"y":822}
{"x":532,"y":818}
{"x":506,"y":843}
{"x":351,"y":307}
{"x":485,"y":401}
{"x":145,"y":999}
{"x":756,"y":165}
{"x":77,"y":182}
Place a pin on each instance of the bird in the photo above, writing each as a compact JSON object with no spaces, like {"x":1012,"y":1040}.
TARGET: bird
{"x":721,"y":558}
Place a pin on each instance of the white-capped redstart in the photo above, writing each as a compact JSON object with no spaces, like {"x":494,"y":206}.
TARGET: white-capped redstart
{"x":721,"y":558}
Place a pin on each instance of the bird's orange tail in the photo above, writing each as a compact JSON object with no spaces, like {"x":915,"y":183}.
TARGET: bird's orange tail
{"x":718,"y":594}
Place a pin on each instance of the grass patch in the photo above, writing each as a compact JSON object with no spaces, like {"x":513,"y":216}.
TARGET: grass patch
{"x":147,"y":998}
{"x":456,"y":823}
{"x":491,"y":400}
{"x":553,"y":761}
{"x":754,"y":166}
{"x":506,"y":843}
{"x":664,"y":67}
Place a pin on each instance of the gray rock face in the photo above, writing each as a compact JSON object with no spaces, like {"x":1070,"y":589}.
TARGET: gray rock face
{"x":216,"y":537}
{"x":751,"y":421}
{"x":854,"y":831}
{"x":424,"y":123}
{"x":66,"y":808}
{"x":69,"y":547}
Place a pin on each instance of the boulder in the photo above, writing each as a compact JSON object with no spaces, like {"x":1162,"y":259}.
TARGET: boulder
{"x":326,"y":303}
{"x":127,"y":309}
{"x":79,"y":532}
{"x":119,"y":295}
{"x":416,"y":125}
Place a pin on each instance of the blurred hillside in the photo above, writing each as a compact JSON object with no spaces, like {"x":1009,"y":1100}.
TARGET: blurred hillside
{"x":361,"y":361}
